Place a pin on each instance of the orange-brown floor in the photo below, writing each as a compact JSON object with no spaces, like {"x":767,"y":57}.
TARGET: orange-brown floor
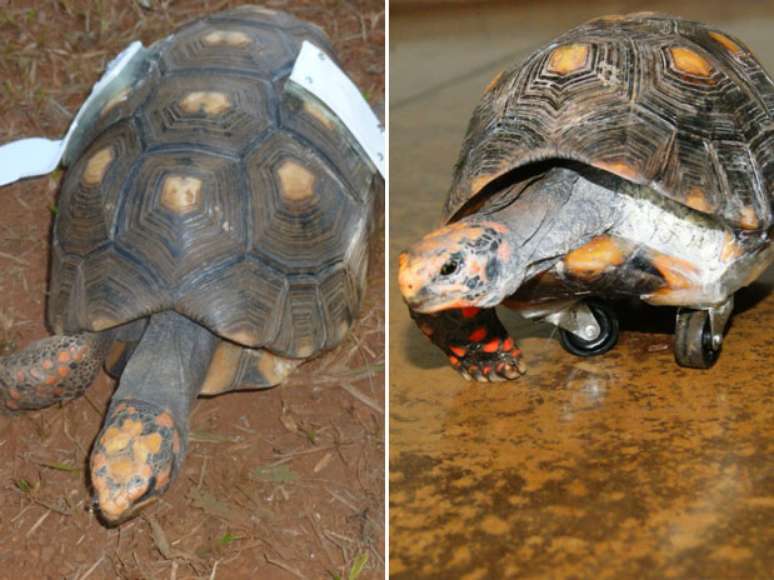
{"x":619,"y":466}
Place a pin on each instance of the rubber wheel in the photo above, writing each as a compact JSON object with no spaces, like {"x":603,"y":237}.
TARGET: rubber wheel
{"x":693,"y":340}
{"x":608,"y":332}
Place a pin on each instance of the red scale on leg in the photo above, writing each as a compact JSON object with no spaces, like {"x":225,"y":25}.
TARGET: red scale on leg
{"x":478,"y":334}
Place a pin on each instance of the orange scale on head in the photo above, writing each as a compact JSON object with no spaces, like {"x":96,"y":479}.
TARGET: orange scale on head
{"x":63,"y":357}
{"x":63,"y":371}
{"x":52,"y":380}
{"x":152,"y":442}
{"x":131,"y":426}
{"x":162,"y":479}
{"x":121,"y":470}
{"x":165,"y":420}
{"x":47,"y":364}
{"x":99,"y":483}
{"x":98,"y":460}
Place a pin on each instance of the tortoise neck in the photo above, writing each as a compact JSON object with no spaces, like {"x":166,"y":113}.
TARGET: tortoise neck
{"x":169,"y":365}
{"x":550,"y":217}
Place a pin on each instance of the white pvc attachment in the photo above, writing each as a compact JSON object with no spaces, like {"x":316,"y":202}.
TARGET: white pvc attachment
{"x":28,"y":158}
{"x":39,"y":156}
{"x":316,"y":73}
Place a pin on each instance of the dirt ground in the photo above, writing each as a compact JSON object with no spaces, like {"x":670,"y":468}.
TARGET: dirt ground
{"x":285,"y":483}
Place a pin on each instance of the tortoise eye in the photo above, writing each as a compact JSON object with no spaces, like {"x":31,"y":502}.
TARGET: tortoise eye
{"x":450,"y":267}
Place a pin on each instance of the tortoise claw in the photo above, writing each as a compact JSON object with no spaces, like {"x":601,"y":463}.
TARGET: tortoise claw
{"x":487,"y":367}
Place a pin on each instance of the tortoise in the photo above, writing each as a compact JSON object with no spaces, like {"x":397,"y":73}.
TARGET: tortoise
{"x":631,"y":157}
{"x":212,"y":235}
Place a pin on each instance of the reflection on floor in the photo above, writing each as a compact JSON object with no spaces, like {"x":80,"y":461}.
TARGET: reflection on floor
{"x":621,"y":466}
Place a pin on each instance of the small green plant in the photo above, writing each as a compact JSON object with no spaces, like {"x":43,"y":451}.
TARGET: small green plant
{"x":228,"y":538}
{"x":23,"y":485}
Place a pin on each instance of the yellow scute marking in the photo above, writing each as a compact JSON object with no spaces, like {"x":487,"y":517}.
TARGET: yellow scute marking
{"x":97,"y":166}
{"x":748,"y":220}
{"x":116,"y":100}
{"x":729,"y":44}
{"x":181,"y":194}
{"x":273,"y":368}
{"x":223,"y":368}
{"x":296,"y":181}
{"x":494,"y":82}
{"x":212,"y":103}
{"x":317,"y":112}
{"x":102,"y":324}
{"x":227,"y":37}
{"x":568,"y":58}
{"x":697,"y":200}
{"x":690,"y":62}
{"x":621,"y":169}
{"x":731,"y":249}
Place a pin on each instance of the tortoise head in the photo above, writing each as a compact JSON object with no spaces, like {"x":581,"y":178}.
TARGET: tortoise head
{"x":134,"y":459}
{"x":460,"y":265}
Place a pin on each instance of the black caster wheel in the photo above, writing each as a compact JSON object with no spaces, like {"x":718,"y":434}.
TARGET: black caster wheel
{"x":608,"y":332}
{"x":694,"y":347}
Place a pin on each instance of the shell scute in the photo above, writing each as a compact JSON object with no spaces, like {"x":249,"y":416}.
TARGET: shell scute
{"x":208,"y":189}
{"x":657,"y":100}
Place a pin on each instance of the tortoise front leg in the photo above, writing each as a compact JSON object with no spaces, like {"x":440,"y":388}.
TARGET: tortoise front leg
{"x":475,"y":341}
{"x":54,"y":369}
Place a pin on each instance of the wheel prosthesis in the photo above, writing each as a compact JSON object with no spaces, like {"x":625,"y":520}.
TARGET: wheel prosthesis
{"x":586,"y":327}
{"x":699,"y":335}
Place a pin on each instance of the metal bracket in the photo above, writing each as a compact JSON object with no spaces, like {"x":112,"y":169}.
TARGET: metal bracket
{"x":573,"y":316}
{"x":718,"y":317}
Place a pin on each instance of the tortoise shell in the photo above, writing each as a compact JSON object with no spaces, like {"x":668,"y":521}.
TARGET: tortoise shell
{"x":210,"y":189}
{"x":656,"y":100}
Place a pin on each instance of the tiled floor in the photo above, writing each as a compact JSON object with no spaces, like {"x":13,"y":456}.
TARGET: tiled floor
{"x":623,"y":465}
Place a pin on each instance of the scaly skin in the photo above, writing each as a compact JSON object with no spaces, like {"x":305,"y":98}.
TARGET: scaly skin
{"x":51,"y":370}
{"x":475,"y":341}
{"x":134,"y":458}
